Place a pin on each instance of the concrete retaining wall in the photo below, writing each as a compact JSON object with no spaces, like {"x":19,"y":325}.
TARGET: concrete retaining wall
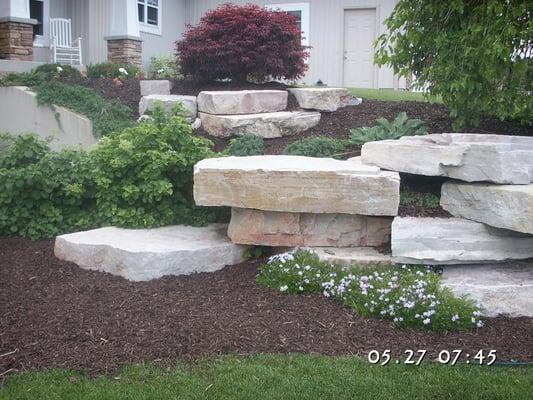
{"x":19,"y":113}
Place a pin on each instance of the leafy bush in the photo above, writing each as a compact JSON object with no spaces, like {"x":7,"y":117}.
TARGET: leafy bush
{"x":164,"y":67}
{"x":319,"y":146}
{"x":476,"y":55}
{"x":426,"y":200}
{"x":106,"y":116}
{"x":144,"y":174}
{"x":112,"y":70}
{"x":400,"y":126}
{"x":246,"y":145}
{"x":410,"y":296}
{"x":140,"y":177}
{"x":43,"y":193}
{"x":241,"y":42}
{"x":41,"y":74}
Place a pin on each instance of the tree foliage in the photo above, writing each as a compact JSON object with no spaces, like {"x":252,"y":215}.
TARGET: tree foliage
{"x":477,"y":55}
{"x":242,"y":42}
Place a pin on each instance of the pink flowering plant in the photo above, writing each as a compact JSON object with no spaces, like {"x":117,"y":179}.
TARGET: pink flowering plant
{"x":409,"y":296}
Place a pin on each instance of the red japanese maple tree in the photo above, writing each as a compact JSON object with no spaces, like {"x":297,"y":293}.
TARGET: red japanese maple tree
{"x":243,"y":42}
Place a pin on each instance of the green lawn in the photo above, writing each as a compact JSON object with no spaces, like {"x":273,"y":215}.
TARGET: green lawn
{"x":278,"y":377}
{"x":390,"y":95}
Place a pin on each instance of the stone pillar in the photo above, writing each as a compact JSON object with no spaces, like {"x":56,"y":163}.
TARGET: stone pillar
{"x":16,"y":30}
{"x":124,"y":44}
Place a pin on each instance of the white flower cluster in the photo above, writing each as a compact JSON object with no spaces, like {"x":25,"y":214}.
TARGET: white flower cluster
{"x":123,"y":71}
{"x":405,"y":294}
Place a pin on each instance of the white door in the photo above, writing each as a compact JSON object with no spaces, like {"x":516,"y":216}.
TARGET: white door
{"x":359,"y":35}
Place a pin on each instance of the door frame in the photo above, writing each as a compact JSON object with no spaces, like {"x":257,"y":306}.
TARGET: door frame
{"x":375,"y":69}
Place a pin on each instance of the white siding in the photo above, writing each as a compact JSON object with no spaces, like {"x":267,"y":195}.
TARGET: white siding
{"x":173,"y":13}
{"x":325,"y":34}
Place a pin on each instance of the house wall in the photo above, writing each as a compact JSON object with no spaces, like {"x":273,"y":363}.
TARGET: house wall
{"x":172,"y":27}
{"x":326,"y":34}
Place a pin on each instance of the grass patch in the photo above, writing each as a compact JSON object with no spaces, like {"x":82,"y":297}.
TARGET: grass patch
{"x":426,"y":200}
{"x":392,"y":95}
{"x":277,"y":377}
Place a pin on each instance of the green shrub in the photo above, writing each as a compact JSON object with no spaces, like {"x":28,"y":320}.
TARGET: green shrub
{"x":41,"y":74}
{"x":164,"y":67}
{"x":400,"y":126}
{"x":316,"y":147}
{"x":246,"y":145}
{"x":141,"y":177}
{"x":43,"y":193}
{"x":475,"y":55}
{"x":144,"y":174}
{"x":112,"y":70}
{"x":410,"y":296}
{"x":426,"y":200}
{"x":106,"y":116}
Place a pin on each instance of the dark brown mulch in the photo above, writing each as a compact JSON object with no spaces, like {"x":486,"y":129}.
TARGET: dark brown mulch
{"x":55,"y":314}
{"x":128,"y":93}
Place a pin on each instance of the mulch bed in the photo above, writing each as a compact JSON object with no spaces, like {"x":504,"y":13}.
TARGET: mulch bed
{"x":55,"y":314}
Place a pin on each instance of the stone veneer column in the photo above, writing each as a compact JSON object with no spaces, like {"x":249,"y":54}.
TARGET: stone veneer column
{"x":16,"y":40}
{"x":124,"y":51}
{"x":124,"y":44}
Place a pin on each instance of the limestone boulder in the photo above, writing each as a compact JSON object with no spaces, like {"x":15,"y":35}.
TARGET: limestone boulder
{"x":266,"y":125}
{"x":229,"y":102}
{"x":441,"y":241}
{"x":278,"y":229}
{"x":465,"y":156}
{"x":168,"y":102}
{"x":502,"y":206}
{"x":296,"y":184}
{"x":352,"y":257}
{"x":145,"y":254}
{"x":149,"y":87}
{"x":323,"y":98}
{"x":498,"y":289}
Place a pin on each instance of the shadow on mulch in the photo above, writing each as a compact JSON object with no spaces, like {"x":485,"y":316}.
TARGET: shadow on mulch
{"x":55,"y":314}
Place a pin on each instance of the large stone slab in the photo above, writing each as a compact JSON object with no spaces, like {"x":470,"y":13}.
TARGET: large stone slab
{"x":353,"y":257}
{"x":502,"y":206}
{"x":277,"y":229}
{"x":296,"y":184}
{"x":229,"y":102}
{"x":441,"y":241}
{"x":324,"y":98}
{"x":465,"y":156}
{"x":149,"y":87}
{"x":498,"y":289}
{"x":144,"y":254}
{"x":266,"y":125}
{"x":168,"y":102}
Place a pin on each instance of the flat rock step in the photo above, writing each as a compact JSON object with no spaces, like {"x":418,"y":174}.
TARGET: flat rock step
{"x":352,"y":256}
{"x":145,"y":254}
{"x":323,"y":98}
{"x":159,"y":87}
{"x":229,"y":102}
{"x":296,"y":184}
{"x":168,"y":102}
{"x":502,"y":206}
{"x":440,"y":241}
{"x":279,"y":229}
{"x":503,"y":289}
{"x":466,"y":156}
{"x":266,"y":125}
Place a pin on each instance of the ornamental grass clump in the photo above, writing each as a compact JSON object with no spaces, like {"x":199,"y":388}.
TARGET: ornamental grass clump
{"x":409,"y":296}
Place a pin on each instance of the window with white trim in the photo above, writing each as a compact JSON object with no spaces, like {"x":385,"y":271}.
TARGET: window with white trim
{"x":301,"y":12}
{"x":149,"y":16}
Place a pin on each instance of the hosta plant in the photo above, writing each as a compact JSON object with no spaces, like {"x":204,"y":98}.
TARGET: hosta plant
{"x":385,"y":129}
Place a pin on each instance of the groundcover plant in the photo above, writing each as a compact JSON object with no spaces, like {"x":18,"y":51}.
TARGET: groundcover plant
{"x":410,"y":296}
